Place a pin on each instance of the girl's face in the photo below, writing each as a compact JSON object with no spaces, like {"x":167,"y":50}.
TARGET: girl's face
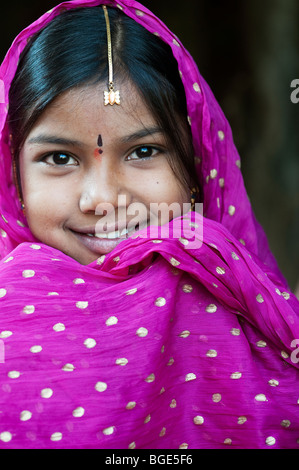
{"x":82,"y":158}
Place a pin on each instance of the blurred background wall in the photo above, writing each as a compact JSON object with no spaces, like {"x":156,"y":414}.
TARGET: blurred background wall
{"x":248,"y":51}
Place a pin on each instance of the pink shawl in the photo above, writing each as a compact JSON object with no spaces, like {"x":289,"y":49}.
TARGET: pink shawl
{"x":157,"y":345}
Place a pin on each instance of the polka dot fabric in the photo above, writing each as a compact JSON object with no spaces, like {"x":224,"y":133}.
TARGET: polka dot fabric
{"x":177,"y":355}
{"x":158,"y":344}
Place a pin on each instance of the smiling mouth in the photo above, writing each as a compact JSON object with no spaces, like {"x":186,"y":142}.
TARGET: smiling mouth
{"x":102,"y":243}
{"x":113,"y":235}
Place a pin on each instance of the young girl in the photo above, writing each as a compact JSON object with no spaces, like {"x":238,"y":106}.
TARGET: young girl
{"x":127,"y":320}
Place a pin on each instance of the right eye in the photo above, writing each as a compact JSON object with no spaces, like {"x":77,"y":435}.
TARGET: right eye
{"x":60,"y":159}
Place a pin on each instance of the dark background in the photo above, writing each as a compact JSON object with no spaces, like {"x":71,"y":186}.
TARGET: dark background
{"x":248,"y":51}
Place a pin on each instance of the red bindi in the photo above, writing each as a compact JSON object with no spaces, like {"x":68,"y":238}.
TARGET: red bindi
{"x":98,"y":151}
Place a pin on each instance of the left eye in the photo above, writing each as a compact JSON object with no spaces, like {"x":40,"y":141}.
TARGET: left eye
{"x":144,"y":152}
{"x":60,"y":159}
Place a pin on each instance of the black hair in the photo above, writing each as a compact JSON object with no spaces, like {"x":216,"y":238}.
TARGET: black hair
{"x":71,"y":51}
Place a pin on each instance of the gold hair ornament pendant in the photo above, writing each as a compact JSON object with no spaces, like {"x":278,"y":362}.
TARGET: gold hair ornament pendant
{"x":112,"y":96}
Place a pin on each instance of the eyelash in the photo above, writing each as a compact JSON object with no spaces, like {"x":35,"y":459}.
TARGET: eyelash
{"x":68,"y":156}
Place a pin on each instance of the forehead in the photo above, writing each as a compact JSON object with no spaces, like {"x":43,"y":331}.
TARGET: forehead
{"x":82,"y":110}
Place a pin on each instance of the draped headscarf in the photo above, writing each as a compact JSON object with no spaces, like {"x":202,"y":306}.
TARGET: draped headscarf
{"x":156,"y":345}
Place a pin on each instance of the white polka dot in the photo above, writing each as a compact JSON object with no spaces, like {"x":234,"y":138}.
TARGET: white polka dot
{"x":35,"y":247}
{"x":68,"y":367}
{"x":213,"y":173}
{"x":111,"y":321}
{"x":150,"y":378}
{"x":260,"y":397}
{"x":221,"y":135}
{"x":14,"y":374}
{"x":56,"y":436}
{"x":5,"y":436}
{"x":160,"y":302}
{"x":284,"y":354}
{"x":78,"y":281}
{"x":25,"y":415}
{"x":187,"y":288}
{"x":270,"y":441}
{"x":36,"y":349}
{"x":286,"y":295}
{"x":101,"y":386}
{"x":90,"y":343}
{"x":20,"y":223}
{"x":212,"y":308}
{"x":101,"y":259}
{"x":285,"y":423}
{"x":174,"y":262}
{"x":231,"y":210}
{"x":211,"y":353}
{"x":189,"y":377}
{"x":78,"y":412}
{"x":216,"y":397}
{"x":28,"y":273}
{"x":5,"y":334}
{"x":131,"y":291}
{"x":184,"y":446}
{"x":3,"y":293}
{"x":261,"y":344}
{"x":235,"y":331}
{"x":59,"y":327}
{"x":259,"y":298}
{"x":183,"y":241}
{"x":198,"y":420}
{"x":142,"y":332}
{"x":46,"y":393}
{"x":132,"y":445}
{"x":242,"y":419}
{"x":220,"y":270}
{"x":131,"y":405}
{"x":108,"y":431}
{"x":236,"y":375}
{"x":184,"y":334}
{"x":28,"y":309}
{"x":227,"y":441}
{"x":82,"y":305}
{"x":196,"y":87}
{"x":122,"y":361}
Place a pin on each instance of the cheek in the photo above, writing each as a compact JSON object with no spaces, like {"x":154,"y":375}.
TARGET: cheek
{"x":164,"y":187}
{"x":46,"y":204}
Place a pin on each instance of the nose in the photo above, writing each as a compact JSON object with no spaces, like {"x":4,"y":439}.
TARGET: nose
{"x":101,"y":186}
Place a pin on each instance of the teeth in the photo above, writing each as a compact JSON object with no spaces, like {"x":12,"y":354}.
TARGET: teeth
{"x":112,"y":235}
{"x":109,"y":235}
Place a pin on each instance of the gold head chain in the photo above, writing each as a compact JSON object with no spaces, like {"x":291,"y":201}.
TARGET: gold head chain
{"x":110,"y":97}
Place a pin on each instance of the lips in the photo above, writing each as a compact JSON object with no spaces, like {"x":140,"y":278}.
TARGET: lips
{"x":124,"y":233}
{"x":102,"y":242}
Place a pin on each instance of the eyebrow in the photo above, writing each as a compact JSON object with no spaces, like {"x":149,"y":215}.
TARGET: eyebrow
{"x":41,"y":139}
{"x":55,"y":140}
{"x":144,"y":132}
